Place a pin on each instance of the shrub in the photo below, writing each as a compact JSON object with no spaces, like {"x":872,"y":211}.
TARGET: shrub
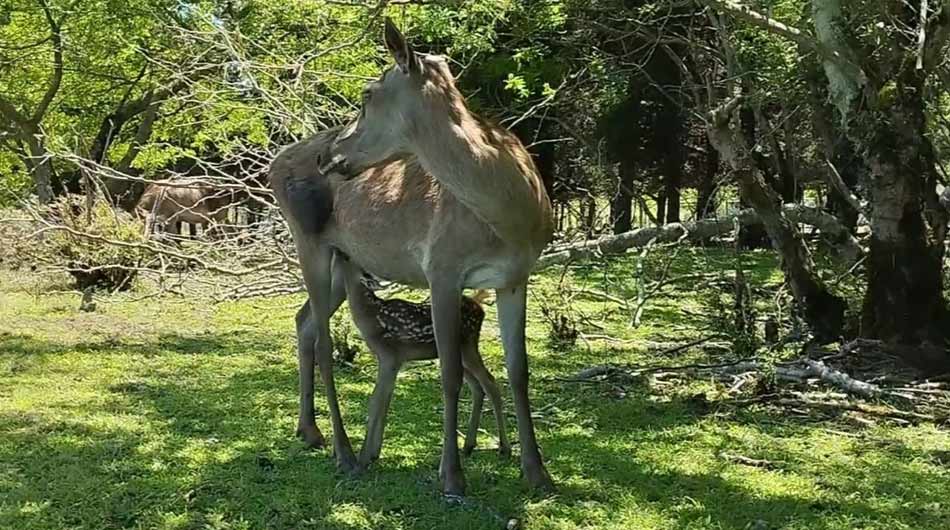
{"x":14,"y":229}
{"x":96,"y":245}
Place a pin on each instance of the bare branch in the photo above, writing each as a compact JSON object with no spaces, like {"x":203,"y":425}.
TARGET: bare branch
{"x":56,"y":77}
{"x":142,"y":135}
{"x":791,"y":33}
{"x":837,"y":183}
{"x":922,"y":35}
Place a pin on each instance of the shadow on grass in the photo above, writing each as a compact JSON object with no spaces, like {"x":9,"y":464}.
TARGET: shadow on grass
{"x":636,"y":439}
{"x":196,"y":452}
{"x":230,"y":343}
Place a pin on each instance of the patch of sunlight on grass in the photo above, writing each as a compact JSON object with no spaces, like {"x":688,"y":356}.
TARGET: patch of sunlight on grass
{"x":169,"y":413}
{"x":350,"y":515}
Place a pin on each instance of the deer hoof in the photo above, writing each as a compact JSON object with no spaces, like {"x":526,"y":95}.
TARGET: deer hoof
{"x":352,"y":469}
{"x":539,"y":479}
{"x":455,"y":489}
{"x":367,"y":460}
{"x":311,"y":436}
{"x":347,"y":463}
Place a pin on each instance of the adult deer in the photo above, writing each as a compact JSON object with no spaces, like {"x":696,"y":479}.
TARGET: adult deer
{"x":171,"y":203}
{"x":420,"y":191}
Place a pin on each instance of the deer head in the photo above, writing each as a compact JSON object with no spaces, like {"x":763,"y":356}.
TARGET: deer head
{"x":394,"y":108}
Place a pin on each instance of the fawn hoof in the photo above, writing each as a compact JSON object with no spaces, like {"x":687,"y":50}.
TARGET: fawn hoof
{"x":539,"y":479}
{"x":311,"y":436}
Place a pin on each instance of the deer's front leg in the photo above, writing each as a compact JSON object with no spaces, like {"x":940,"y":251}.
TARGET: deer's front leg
{"x":446,"y":320}
{"x":511,"y":304}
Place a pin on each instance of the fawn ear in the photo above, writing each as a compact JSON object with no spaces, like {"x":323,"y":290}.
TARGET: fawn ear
{"x":400,"y":49}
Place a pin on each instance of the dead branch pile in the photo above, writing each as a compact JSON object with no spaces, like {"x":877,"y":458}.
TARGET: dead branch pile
{"x":815,"y":384}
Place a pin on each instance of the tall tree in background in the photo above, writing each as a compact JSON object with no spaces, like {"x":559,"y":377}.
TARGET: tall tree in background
{"x":22,"y":120}
{"x":880,"y":60}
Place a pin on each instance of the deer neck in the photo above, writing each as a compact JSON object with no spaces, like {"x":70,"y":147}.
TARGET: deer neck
{"x":485,"y":168}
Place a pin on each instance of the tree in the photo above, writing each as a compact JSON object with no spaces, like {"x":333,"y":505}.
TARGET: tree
{"x":25,"y":126}
{"x":879,"y":59}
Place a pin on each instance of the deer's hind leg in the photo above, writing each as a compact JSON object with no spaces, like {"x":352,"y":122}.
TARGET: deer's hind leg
{"x":306,"y":356}
{"x":307,"y":428}
{"x":315,"y":262}
{"x":481,"y":381}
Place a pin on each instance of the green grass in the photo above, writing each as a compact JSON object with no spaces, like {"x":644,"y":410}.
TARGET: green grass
{"x":169,"y":413}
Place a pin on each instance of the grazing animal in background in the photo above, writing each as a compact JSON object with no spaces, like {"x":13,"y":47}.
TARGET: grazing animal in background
{"x":173,"y":202}
{"x":420,"y":191}
{"x":398,"y":331}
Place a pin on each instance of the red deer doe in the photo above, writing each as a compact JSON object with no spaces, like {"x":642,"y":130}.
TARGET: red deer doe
{"x":170,"y":203}
{"x":420,"y":191}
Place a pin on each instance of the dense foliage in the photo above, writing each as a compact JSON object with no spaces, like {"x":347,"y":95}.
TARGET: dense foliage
{"x":636,"y":111}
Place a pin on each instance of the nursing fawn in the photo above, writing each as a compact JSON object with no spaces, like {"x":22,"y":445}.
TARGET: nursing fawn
{"x":398,"y":331}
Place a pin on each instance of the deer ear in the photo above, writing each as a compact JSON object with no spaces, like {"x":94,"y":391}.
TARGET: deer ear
{"x":399,"y":48}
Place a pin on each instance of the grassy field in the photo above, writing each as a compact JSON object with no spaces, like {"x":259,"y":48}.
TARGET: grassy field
{"x":171,"y":413}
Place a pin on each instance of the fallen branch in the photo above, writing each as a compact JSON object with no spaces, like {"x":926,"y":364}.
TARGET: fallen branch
{"x":699,"y":231}
{"x":753,"y":462}
{"x":811,"y":369}
{"x":842,"y":380}
{"x":796,"y":371}
{"x":681,"y":347}
{"x":854,"y":406}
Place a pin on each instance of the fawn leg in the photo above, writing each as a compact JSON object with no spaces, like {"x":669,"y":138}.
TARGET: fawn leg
{"x":379,"y":407}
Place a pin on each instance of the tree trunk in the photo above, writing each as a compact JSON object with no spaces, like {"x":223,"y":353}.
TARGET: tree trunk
{"x":590,"y":217}
{"x":785,"y":160}
{"x":41,"y":165}
{"x":705,"y":197}
{"x":753,"y":236}
{"x":823,"y":311}
{"x":660,"y":208}
{"x":673,"y":205}
{"x":852,"y":171}
{"x":904,"y":301}
{"x":621,"y":206}
{"x":671,"y":185}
